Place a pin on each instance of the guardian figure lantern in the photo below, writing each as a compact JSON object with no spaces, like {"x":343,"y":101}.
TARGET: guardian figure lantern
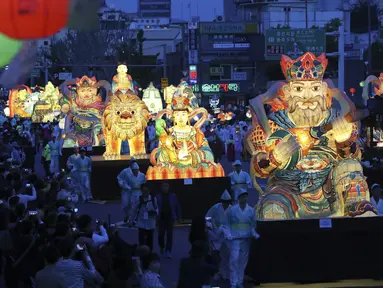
{"x":183,"y":151}
{"x":306,"y":151}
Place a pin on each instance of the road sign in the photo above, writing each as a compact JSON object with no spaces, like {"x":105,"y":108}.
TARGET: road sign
{"x":164,"y":83}
{"x":65,"y":76}
{"x":294,"y":42}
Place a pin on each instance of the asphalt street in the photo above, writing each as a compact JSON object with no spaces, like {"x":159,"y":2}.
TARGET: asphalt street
{"x":169,"y":267}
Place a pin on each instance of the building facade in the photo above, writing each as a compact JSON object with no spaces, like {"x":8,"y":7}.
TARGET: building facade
{"x":155,"y":8}
{"x":222,"y":60}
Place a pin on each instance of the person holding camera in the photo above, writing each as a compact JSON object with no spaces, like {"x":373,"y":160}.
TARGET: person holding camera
{"x":77,"y":272}
{"x":146,"y":217}
{"x":24,"y":196}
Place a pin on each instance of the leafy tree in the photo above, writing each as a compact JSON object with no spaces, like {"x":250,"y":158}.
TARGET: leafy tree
{"x":376,"y":55}
{"x":359,"y":16}
{"x":332,"y":41}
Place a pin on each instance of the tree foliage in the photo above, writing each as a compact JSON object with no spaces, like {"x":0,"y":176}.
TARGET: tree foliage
{"x":359,"y":16}
{"x":376,"y":55}
{"x":332,"y":41}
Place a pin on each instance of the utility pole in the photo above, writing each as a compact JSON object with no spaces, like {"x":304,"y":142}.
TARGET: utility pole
{"x":369,"y":39}
{"x":307,"y":14}
{"x":165,"y":62}
{"x":341,"y":58}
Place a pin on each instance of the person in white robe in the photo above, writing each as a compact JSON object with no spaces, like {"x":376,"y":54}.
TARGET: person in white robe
{"x":70,"y":164}
{"x":130,"y":180}
{"x":55,"y":150}
{"x":239,"y":179}
{"x":217,"y":216}
{"x":241,"y":227}
{"x":83,"y":170}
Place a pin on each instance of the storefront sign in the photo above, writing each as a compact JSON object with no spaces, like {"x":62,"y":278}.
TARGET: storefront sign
{"x":230,"y":45}
{"x":221,"y":87}
{"x":193,"y":57}
{"x":294,"y":42}
{"x":193,"y":73}
{"x":238,"y":76}
{"x":193,"y":39}
{"x":228,"y":28}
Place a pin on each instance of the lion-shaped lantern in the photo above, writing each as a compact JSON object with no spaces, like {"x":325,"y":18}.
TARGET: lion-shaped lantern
{"x":308,"y":153}
{"x":125,"y":118}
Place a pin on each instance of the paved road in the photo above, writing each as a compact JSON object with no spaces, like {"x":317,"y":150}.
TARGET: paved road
{"x":181,"y":245}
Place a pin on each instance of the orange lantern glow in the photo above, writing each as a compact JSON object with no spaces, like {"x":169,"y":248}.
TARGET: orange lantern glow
{"x":32,"y":19}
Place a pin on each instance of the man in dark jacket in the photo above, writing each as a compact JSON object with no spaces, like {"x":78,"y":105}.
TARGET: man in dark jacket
{"x":169,"y":212}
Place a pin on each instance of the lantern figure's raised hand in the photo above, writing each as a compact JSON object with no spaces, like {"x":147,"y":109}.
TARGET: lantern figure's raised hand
{"x":305,"y":149}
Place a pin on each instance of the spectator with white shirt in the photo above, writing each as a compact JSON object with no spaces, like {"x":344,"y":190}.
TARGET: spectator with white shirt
{"x":25,"y":196}
{"x":94,"y":239}
{"x":151,"y":277}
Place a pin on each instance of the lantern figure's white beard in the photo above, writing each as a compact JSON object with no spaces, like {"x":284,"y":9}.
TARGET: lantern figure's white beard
{"x":307,"y":112}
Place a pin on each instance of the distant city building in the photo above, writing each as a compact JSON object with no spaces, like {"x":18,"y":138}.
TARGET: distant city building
{"x":154,"y":8}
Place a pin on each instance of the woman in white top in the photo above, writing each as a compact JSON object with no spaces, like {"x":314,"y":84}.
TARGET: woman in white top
{"x":376,"y":198}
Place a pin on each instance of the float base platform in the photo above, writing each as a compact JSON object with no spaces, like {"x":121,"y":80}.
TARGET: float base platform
{"x":312,"y":251}
{"x":195,"y":196}
{"x":104,"y":175}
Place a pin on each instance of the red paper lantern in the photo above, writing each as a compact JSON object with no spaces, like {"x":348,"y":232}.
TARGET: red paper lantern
{"x":33,"y":19}
{"x":352,"y":90}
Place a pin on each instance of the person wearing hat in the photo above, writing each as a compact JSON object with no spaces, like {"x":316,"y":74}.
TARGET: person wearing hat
{"x":55,"y":151}
{"x":70,"y":163}
{"x":376,"y":199}
{"x":217,"y":216}
{"x":240,"y":228}
{"x":83,"y":169}
{"x":239,"y":179}
{"x":130,"y":180}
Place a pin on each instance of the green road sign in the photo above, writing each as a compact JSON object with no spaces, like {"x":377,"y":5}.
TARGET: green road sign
{"x":294,"y":42}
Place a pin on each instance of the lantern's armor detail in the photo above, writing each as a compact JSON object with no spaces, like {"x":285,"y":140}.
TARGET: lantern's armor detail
{"x":309,"y":155}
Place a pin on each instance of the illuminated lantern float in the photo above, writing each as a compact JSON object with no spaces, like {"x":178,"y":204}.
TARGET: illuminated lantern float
{"x":183,"y":151}
{"x":40,"y":104}
{"x":152,"y":99}
{"x":125,"y":117}
{"x":84,"y":106}
{"x":309,"y":156}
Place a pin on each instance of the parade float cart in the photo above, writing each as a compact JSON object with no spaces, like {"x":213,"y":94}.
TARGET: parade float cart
{"x":104,"y":183}
{"x":315,"y":211}
{"x":196,"y":196}
{"x":316,"y":250}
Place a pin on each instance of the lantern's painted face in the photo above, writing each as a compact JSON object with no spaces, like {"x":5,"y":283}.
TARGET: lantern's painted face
{"x":87,"y":94}
{"x":306,"y":102}
{"x":122,"y":69}
{"x":22,"y":94}
{"x":181,"y":118}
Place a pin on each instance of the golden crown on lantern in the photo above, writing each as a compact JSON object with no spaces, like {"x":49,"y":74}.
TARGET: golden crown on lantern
{"x":180,"y":103}
{"x":305,"y":68}
{"x":85,"y":81}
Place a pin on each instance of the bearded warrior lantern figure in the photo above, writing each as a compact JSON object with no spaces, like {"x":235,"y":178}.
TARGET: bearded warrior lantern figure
{"x":84,"y":107}
{"x":306,"y":148}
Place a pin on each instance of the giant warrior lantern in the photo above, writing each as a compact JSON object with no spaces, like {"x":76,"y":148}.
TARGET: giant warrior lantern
{"x":307,"y":152}
{"x":84,"y":107}
{"x":183,"y":151}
